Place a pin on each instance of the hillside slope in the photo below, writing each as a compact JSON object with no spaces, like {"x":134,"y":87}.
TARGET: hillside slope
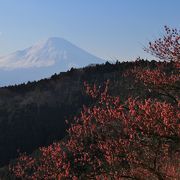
{"x":33,"y":114}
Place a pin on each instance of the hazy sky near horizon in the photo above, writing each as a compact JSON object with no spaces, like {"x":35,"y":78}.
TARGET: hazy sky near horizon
{"x":111,"y":29}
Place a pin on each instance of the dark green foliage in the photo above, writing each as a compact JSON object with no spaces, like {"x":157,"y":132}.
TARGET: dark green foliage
{"x":34,"y":114}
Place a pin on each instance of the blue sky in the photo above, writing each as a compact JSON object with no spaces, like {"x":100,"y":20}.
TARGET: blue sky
{"x":111,"y":29}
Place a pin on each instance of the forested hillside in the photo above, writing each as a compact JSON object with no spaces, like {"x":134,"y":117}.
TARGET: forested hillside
{"x":34,"y":114}
{"x":89,"y":90}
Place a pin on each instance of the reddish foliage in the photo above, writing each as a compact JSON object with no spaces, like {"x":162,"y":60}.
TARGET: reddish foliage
{"x":167,"y":47}
{"x":51,"y":164}
{"x":136,"y":139}
{"x":113,"y":139}
{"x":158,"y":79}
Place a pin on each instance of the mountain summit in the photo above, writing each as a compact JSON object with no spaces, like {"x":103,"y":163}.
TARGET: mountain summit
{"x":49,"y":52}
{"x":43,"y":59}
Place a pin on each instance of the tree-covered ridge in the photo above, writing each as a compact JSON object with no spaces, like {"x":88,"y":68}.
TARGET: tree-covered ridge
{"x":33,"y":114}
{"x":128,"y":127}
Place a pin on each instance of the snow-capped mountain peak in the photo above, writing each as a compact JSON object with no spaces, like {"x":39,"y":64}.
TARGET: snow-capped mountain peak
{"x":46,"y":53}
{"x":43,"y":59}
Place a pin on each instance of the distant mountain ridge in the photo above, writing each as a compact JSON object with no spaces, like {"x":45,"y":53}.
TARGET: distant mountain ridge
{"x":43,"y":59}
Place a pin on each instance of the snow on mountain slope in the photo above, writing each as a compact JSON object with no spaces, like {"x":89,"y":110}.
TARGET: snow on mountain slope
{"x":43,"y":59}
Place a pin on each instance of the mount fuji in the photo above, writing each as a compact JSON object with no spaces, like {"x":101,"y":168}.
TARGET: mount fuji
{"x":42,"y":60}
